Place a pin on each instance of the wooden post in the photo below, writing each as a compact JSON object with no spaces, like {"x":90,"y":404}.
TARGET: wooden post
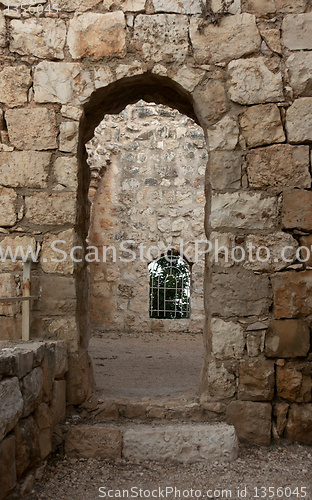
{"x":26,"y":303}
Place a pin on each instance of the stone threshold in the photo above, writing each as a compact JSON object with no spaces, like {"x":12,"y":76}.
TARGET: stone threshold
{"x":184,"y":443}
{"x":175,"y":407}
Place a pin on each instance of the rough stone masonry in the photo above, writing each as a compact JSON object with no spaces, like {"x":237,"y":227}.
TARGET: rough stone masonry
{"x":248,"y":83}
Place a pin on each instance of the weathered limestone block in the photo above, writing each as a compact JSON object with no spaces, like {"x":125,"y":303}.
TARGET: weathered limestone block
{"x":221,"y":383}
{"x":42,"y":37}
{"x":51,"y":257}
{"x":24,"y":169}
{"x":225,"y":169}
{"x":133,"y":5}
{"x":278,"y":167}
{"x":293,"y":385}
{"x":78,"y":376}
{"x":61,"y":359}
{"x":222,"y":245}
{"x":132,"y":69}
{"x":32,"y":390}
{"x":48,"y":369}
{"x":162,"y":37}
{"x":11,"y":405}
{"x":240,"y":293}
{"x":261,"y":125}
{"x":256,"y":380}
{"x":299,"y":120}
{"x":7,"y":466}
{"x":252,"y":421}
{"x":255,"y":343}
{"x":292,"y":294}
{"x":97,"y":35}
{"x":235,"y":8}
{"x":65,"y":329}
{"x":57,"y":300}
{"x":25,"y":361}
{"x":223,"y":135}
{"x":62,"y":82}
{"x":252,"y":82}
{"x":177,"y":7}
{"x":71,"y":112}
{"x":297,"y":31}
{"x":58,"y":405}
{"x":8,"y":288}
{"x":10,"y":328}
{"x":14,"y":85}
{"x":243,"y":210}
{"x":44,"y":422}
{"x":8,"y":213}
{"x":306,"y":255}
{"x":272,"y":6}
{"x":40,"y":135}
{"x":76,"y":5}
{"x":275,"y":243}
{"x":186,"y":443}
{"x":69,"y":137}
{"x":93,"y":442}
{"x":2,"y":31}
{"x":299,"y":425}
{"x":271,"y":41}
{"x":19,"y":246}
{"x":236,"y":36}
{"x":297,"y":210}
{"x":287,"y":339}
{"x":227,"y":339}
{"x":103,"y":76}
{"x":27,"y":445}
{"x":55,"y":208}
{"x":299,"y":67}
{"x":210,"y":100}
{"x":189,"y":78}
{"x":280,"y":412}
{"x":65,"y":172}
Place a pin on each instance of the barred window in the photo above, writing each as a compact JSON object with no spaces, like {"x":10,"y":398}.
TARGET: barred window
{"x":170,"y":283}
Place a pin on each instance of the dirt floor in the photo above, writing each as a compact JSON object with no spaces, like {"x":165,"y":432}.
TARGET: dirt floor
{"x":286,"y":470}
{"x":150,"y":364}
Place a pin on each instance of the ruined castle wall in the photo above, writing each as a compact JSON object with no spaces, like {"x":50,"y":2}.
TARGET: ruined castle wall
{"x":247,"y":82}
{"x":148,"y":176}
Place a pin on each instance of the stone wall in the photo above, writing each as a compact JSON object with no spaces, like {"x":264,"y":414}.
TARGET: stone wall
{"x":147,"y":168}
{"x":32,"y":404}
{"x":247,"y":82}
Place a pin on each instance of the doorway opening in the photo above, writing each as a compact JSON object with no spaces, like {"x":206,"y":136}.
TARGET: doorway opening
{"x":147,"y":197}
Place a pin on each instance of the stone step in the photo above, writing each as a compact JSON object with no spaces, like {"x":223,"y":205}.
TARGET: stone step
{"x":185,"y":443}
{"x":179,"y":408}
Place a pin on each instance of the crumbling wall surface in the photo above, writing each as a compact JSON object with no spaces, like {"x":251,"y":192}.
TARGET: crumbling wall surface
{"x":148,"y":175}
{"x":247,"y":82}
{"x":32,"y":404}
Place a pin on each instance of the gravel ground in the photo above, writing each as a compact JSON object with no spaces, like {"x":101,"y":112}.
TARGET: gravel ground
{"x":286,"y":467}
